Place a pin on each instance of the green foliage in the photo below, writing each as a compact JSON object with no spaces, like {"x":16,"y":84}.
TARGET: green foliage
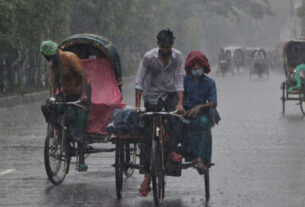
{"x":24,"y":24}
{"x":254,"y":8}
{"x":131,"y":24}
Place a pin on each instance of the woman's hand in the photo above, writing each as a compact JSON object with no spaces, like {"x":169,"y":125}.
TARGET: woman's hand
{"x":193,"y":112}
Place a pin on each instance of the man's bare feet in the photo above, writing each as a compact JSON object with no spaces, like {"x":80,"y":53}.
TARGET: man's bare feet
{"x":145,"y":186}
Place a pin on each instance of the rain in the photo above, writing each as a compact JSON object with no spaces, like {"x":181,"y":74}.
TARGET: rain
{"x":255,"y":51}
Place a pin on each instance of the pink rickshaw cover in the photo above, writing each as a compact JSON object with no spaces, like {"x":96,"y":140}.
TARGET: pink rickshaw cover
{"x":105,"y":95}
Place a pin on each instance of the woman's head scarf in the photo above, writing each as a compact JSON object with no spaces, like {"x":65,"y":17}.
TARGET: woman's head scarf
{"x":195,"y":56}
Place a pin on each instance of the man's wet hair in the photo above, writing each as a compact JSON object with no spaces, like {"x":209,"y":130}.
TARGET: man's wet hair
{"x":165,"y":37}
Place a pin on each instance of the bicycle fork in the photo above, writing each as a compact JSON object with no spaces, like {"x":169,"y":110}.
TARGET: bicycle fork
{"x":158,"y":132}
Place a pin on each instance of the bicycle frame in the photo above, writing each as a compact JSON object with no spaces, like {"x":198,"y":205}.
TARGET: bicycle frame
{"x":158,"y":132}
{"x":61,"y":126}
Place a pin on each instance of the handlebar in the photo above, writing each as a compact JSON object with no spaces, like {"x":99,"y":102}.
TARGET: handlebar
{"x":164,"y":113}
{"x":76,"y":103}
{"x":159,"y":112}
{"x":67,"y":103}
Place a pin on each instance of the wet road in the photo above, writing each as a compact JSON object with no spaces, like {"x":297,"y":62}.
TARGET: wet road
{"x":259,"y":156}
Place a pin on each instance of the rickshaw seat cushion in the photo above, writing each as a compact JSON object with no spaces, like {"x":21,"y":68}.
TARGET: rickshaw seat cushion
{"x":106,"y":95}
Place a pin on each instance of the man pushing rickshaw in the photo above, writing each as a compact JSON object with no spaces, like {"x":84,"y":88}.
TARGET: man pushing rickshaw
{"x":69,"y":83}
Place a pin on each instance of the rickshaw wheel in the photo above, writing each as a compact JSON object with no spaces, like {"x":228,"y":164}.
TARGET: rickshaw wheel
{"x":207,"y":185}
{"x":157,"y":173}
{"x":119,"y":166}
{"x":302,"y":102}
{"x":283,"y":87}
{"x":56,"y":155}
{"x":130,"y":157}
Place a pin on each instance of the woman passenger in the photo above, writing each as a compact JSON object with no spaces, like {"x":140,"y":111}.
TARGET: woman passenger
{"x":200,"y":100}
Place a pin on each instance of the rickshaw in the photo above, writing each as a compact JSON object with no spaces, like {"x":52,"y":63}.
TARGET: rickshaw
{"x":224,"y":62}
{"x":102,"y":65}
{"x":259,"y":65}
{"x":238,"y":59}
{"x":233,"y":60}
{"x":293,"y":56}
{"x":159,"y":166}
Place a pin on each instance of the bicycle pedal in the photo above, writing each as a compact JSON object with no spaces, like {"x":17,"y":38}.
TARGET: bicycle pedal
{"x":210,"y":164}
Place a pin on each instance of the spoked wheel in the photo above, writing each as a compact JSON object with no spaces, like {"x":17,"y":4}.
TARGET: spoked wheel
{"x":56,"y":155}
{"x":157,"y":172}
{"x":119,"y":168}
{"x":207,"y":185}
{"x":302,"y":102}
{"x":130,"y":157}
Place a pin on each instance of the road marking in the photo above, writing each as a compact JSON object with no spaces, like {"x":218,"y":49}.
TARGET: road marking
{"x":7,"y":171}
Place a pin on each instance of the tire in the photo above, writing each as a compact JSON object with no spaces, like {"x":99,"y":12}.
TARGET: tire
{"x":157,"y":173}
{"x":207,"y":185}
{"x":119,"y":168}
{"x":130,"y":157}
{"x":302,"y":102}
{"x":56,"y":155}
{"x":283,"y":107}
{"x":283,"y":87}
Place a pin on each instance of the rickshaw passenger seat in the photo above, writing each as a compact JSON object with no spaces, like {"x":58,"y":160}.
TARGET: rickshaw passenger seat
{"x":106,"y":95}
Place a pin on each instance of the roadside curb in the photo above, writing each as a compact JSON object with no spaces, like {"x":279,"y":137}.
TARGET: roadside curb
{"x":10,"y":101}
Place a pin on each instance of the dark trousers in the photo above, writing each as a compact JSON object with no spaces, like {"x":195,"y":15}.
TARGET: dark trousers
{"x":169,"y":104}
{"x":76,"y":117}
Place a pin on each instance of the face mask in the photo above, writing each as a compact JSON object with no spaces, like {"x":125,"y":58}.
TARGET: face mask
{"x":197,"y":73}
{"x":164,"y":54}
